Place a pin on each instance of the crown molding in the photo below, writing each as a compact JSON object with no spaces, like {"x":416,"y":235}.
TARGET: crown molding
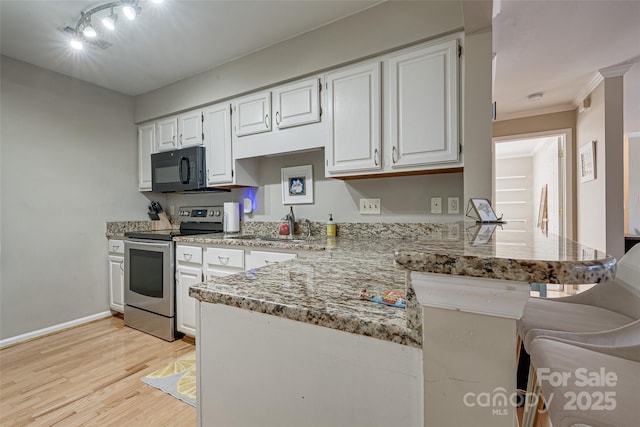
{"x":615,"y":71}
{"x":590,"y":87}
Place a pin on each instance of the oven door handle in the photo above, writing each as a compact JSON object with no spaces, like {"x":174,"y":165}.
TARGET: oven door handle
{"x":149,"y":245}
{"x":181,"y":170}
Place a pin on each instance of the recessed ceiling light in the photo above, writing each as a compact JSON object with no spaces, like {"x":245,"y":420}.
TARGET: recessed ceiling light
{"x":536,"y":96}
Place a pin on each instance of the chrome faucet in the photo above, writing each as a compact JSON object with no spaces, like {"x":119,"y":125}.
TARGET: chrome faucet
{"x":291,"y":220}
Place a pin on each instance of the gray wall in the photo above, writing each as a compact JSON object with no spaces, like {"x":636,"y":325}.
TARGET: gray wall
{"x":403,"y":199}
{"x":69,"y":162}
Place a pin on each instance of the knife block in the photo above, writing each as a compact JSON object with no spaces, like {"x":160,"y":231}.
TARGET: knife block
{"x":161,"y":224}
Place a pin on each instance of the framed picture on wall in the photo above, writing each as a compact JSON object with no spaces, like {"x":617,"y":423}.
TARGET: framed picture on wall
{"x":297,"y":185}
{"x":588,"y":162}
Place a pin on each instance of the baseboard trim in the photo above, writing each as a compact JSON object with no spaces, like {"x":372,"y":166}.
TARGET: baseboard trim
{"x":51,"y":329}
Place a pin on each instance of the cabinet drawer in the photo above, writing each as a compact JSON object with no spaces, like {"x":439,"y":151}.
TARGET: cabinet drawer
{"x":116,"y":246}
{"x":189,"y":254}
{"x":225,"y":257}
{"x":259,"y":259}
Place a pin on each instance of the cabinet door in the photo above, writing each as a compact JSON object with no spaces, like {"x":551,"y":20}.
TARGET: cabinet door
{"x":253,"y":114}
{"x":116,"y":283}
{"x":186,"y":305}
{"x":217,"y":140}
{"x":353,"y":108}
{"x":257,"y":259}
{"x":423,"y":106}
{"x":166,"y":130}
{"x":190,"y":129}
{"x":297,"y":103}
{"x":146,"y":146}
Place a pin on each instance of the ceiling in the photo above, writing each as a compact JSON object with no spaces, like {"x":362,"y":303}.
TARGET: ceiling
{"x":554,"y":47}
{"x":166,"y":43}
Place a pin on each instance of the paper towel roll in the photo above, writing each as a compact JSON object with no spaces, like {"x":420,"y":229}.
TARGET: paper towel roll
{"x":231,"y":217}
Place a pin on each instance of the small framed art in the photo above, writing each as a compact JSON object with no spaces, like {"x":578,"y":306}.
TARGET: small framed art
{"x":588,"y":162}
{"x":297,"y":185}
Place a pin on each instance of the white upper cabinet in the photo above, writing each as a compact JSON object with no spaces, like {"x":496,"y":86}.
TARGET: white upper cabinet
{"x":253,"y":114}
{"x":295,"y":124}
{"x":423,"y":106}
{"x":217,"y":140}
{"x":146,"y":146}
{"x":166,"y":134}
{"x":354,"y":115}
{"x":297,"y":103}
{"x":190,"y":129}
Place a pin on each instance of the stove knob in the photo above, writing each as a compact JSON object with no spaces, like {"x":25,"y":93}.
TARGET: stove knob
{"x":217,"y":213}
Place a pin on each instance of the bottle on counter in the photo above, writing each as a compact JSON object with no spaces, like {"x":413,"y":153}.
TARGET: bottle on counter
{"x":331,"y":227}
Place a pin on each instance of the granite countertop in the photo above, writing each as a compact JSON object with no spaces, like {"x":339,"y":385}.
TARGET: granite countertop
{"x":508,"y":252}
{"x":323,"y":290}
{"x":323,"y":287}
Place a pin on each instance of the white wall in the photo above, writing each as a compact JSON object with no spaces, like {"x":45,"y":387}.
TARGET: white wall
{"x":403,"y":199}
{"x":69,"y":164}
{"x":632,"y":99}
{"x":633,"y":203}
{"x":591,"y":195}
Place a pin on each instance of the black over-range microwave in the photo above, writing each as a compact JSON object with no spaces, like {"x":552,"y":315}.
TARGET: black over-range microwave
{"x":179,"y":170}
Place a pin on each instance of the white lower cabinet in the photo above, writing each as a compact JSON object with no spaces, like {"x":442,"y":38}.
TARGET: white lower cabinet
{"x":188,"y":273}
{"x":196,"y":263}
{"x":116,"y":275}
{"x":257,"y":259}
{"x":219,"y":262}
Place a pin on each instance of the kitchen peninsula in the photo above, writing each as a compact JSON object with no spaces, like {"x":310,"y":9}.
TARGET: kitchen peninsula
{"x":290,"y":342}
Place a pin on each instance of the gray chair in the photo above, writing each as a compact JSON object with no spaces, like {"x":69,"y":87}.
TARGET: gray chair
{"x":606,"y":306}
{"x":589,"y":379}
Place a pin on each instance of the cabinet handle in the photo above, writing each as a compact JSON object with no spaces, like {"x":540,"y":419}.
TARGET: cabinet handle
{"x":187,"y":257}
{"x":278,"y":118}
{"x":180,"y":139}
{"x":115,"y":248}
{"x":266,"y":120}
{"x":121,"y":265}
{"x":375,"y":157}
{"x":221,"y":258}
{"x":393,"y":154}
{"x":266,"y":261}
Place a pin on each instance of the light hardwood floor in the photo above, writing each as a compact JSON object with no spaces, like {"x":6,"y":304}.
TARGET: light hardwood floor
{"x":90,"y":375}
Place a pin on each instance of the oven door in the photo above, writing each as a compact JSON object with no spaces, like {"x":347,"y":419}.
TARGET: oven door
{"x":149,"y":276}
{"x":178,"y":170}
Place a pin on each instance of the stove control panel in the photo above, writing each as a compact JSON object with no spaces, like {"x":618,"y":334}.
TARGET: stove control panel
{"x":200,"y":213}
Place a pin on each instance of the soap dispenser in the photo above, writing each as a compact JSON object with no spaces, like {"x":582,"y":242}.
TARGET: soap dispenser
{"x":331,"y":227}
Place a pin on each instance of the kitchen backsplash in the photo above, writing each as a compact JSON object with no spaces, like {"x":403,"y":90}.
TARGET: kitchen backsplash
{"x":347,"y":229}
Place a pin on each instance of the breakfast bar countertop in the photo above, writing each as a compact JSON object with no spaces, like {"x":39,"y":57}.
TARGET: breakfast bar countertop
{"x":508,"y":252}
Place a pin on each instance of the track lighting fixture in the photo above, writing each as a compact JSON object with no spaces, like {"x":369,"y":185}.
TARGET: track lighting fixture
{"x":106,"y":13}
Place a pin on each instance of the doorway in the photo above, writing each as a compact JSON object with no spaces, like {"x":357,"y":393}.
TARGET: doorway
{"x":530,"y":181}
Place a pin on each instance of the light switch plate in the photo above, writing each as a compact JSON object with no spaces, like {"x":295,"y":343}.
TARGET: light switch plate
{"x":453,"y":205}
{"x":370,"y":206}
{"x":436,"y":205}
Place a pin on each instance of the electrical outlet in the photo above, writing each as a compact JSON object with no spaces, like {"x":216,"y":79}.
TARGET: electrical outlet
{"x":436,"y":205}
{"x":370,"y":206}
{"x":453,"y":205}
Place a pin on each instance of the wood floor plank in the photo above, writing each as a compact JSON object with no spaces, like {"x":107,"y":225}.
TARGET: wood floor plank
{"x":90,"y":375}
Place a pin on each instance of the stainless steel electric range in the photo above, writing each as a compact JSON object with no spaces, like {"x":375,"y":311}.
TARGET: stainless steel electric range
{"x":149,"y":270}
